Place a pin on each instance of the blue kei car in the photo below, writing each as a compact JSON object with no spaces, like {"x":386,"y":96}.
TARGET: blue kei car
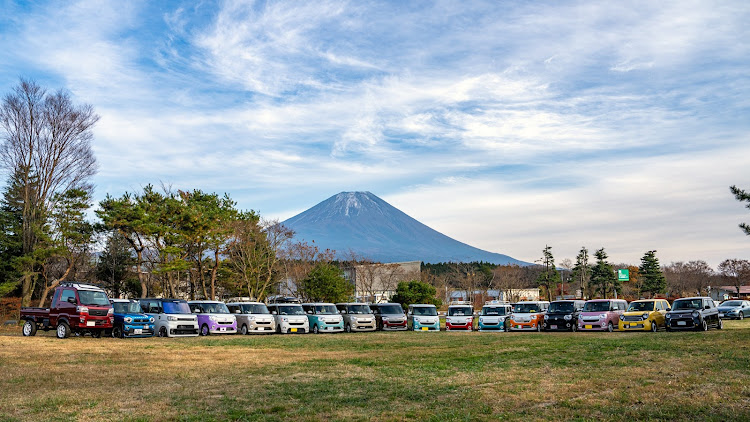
{"x":130,"y":321}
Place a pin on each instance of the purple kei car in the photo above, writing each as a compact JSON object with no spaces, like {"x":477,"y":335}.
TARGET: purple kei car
{"x":213,"y":317}
{"x":601,"y":314}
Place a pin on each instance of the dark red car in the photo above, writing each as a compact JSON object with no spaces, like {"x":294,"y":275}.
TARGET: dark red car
{"x":75,"y":308}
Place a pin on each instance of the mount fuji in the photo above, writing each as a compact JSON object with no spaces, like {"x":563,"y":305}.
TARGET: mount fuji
{"x":362,"y":223}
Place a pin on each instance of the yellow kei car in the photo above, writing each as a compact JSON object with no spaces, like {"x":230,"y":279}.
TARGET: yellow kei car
{"x":644,"y":315}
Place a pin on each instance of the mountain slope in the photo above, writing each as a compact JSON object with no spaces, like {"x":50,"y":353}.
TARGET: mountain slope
{"x":372,"y":228}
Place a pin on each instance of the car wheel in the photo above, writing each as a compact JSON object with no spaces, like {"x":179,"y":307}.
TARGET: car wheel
{"x":243,"y":330}
{"x":29,"y":328}
{"x":204,"y":330}
{"x":704,"y":325}
{"x":742,"y":316}
{"x":610,"y":327}
{"x":63,"y":329}
{"x":654,"y":327}
{"x":163,"y":332}
{"x":539,"y":328}
{"x":315,"y":329}
{"x":117,"y":331}
{"x":96,"y":333}
{"x":348,"y":328}
{"x":574,"y":327}
{"x":721,"y":324}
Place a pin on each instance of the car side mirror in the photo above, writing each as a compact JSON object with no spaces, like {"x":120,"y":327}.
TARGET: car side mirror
{"x":237,"y":311}
{"x":342,"y":312}
{"x":669,"y":309}
{"x":309,"y":312}
{"x":273,"y":312}
{"x":707,"y":307}
{"x":72,"y":300}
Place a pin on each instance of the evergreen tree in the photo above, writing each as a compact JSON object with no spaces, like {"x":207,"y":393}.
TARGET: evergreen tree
{"x":115,"y":267}
{"x":11,"y":244}
{"x":651,"y":278}
{"x":742,"y":196}
{"x":415,"y":291}
{"x":582,"y":270}
{"x":603,"y":278}
{"x":325,"y":283}
{"x":548,"y":276}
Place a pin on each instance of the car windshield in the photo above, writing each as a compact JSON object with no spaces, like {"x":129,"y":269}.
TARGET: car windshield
{"x":212,"y":308}
{"x":89,"y":297}
{"x":561,"y":307}
{"x":641,"y":306}
{"x":526,"y":308}
{"x":493,"y":310}
{"x":176,"y":307}
{"x":463,"y":311}
{"x":424,"y":310}
{"x":326,"y":310}
{"x":254,"y":308}
{"x":391,"y":309}
{"x":359,"y":309}
{"x":687,"y":304}
{"x":596,"y":307}
{"x":732,"y":303}
{"x":127,"y":307}
{"x":291,"y":310}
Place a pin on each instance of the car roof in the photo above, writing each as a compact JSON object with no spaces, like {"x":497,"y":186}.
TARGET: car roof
{"x":205,"y":301}
{"x":245,"y":303}
{"x":317,"y":303}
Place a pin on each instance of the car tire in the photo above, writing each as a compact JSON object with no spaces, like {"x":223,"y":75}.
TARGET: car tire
{"x":243,"y":329}
{"x":654,"y":327}
{"x":704,"y":325}
{"x":96,"y":333}
{"x":610,"y":327}
{"x":720,"y":325}
{"x":573,"y":327}
{"x":29,"y":328}
{"x":539,"y":328}
{"x":117,"y":332}
{"x":742,"y":316}
{"x":204,"y":330}
{"x":348,"y":328}
{"x":315,"y":329}
{"x":163,"y":332}
{"x":63,"y":330}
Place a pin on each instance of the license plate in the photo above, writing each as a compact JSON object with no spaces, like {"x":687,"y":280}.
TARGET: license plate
{"x":554,"y":327}
{"x":294,"y":330}
{"x":425,"y":328}
{"x":633,"y":324}
{"x":138,"y":331}
{"x":518,"y":327}
{"x":588,"y":327}
{"x":681,"y":323}
{"x":90,"y":323}
{"x":222,"y":328}
{"x":721,"y":315}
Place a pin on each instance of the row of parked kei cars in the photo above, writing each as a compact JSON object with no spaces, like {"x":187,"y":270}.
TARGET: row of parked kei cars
{"x":81,"y":309}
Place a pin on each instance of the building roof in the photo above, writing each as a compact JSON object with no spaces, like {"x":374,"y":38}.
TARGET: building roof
{"x":744,"y":290}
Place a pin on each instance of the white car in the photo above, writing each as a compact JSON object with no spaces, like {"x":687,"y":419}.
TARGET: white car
{"x":290,"y":318}
{"x":172,"y":317}
{"x":459,"y":317}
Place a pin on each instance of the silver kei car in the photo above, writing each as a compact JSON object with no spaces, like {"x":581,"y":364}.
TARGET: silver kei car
{"x":357,"y":317}
{"x":252,"y":317}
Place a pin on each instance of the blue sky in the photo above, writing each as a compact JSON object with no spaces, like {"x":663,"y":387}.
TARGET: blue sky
{"x":506,"y":125}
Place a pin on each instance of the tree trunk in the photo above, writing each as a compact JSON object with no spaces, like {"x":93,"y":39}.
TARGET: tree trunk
{"x":214,"y":270}
{"x":144,"y":291}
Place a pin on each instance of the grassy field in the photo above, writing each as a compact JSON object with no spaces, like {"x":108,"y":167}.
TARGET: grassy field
{"x":380,"y":376}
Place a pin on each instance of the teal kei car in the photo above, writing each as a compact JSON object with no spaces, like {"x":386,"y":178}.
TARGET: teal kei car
{"x":423,"y":317}
{"x":129,"y":319}
{"x":323,"y":318}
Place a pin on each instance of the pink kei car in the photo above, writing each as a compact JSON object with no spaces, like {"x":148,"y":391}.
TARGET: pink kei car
{"x":601,"y":314}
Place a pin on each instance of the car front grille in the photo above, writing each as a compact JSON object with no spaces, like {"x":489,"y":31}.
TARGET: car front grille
{"x":98,"y":312}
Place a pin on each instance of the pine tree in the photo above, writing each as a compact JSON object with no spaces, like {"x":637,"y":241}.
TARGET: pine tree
{"x":582,"y":269}
{"x":603,"y":278}
{"x":549,"y":275}
{"x":651,"y":278}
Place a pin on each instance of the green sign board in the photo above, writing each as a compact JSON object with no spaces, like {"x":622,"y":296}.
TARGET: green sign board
{"x":623,"y":274}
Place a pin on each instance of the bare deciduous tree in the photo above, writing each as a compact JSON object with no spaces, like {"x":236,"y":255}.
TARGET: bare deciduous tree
{"x":47,"y":145}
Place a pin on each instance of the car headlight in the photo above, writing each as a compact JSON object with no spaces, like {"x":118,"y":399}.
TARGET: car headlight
{"x":171,"y":318}
{"x":385,"y":318}
{"x":602,"y":316}
{"x":568,"y":317}
{"x":355,"y":319}
{"x":502,"y":319}
{"x":251,"y":318}
{"x":546,"y":317}
{"x":285,"y":319}
{"x":213,"y":318}
{"x":696,"y":313}
{"x":667,"y":316}
{"x":151,"y":320}
{"x":644,"y":316}
{"x":128,"y":319}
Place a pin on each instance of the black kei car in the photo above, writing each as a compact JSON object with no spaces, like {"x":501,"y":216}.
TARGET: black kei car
{"x":563,"y":315}
{"x":693,"y":313}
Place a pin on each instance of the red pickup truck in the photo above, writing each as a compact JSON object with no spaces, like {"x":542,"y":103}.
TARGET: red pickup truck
{"x":75,"y":308}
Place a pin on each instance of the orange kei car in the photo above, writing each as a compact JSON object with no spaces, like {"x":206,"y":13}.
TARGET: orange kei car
{"x":528,"y":316}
